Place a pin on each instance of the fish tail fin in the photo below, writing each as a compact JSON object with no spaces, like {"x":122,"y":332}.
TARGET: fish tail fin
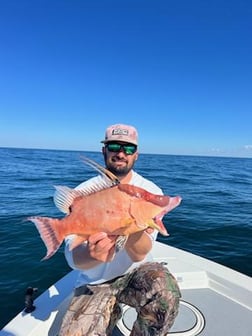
{"x":48,"y":233}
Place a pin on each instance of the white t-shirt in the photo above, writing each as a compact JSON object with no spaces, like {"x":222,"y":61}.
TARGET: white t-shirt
{"x":121,"y":262}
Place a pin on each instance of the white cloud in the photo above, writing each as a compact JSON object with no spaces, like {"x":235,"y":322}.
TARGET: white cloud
{"x":248,"y":147}
{"x":216,"y":150}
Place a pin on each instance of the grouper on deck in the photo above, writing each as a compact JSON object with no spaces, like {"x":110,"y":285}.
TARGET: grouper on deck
{"x":112,"y":207}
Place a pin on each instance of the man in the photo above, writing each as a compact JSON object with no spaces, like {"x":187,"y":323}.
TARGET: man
{"x":109,"y":276}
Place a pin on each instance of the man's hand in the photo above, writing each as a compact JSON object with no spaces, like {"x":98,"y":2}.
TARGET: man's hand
{"x":102,"y":246}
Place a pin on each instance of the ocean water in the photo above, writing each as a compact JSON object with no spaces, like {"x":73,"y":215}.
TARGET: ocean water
{"x":214,"y":219}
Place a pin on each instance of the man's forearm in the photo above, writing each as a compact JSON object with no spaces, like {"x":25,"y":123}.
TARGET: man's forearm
{"x":138,"y":245}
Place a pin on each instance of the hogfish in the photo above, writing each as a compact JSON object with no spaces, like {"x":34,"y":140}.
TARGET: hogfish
{"x":112,"y":207}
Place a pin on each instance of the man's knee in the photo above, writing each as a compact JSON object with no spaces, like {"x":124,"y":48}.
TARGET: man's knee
{"x":146,"y":281}
{"x":156,"y":278}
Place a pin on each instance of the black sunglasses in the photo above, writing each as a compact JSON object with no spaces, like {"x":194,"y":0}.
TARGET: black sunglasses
{"x":128,"y":149}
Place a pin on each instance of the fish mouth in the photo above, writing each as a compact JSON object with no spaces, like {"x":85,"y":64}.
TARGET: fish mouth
{"x":159,"y":225}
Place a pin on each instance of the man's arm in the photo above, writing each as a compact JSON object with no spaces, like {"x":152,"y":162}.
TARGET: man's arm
{"x":139,"y":244}
{"x":101,"y":248}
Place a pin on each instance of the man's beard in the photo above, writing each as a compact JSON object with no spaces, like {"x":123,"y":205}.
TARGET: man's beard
{"x":118,"y":171}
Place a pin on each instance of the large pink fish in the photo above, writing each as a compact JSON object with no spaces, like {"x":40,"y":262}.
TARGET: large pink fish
{"x":113,"y":207}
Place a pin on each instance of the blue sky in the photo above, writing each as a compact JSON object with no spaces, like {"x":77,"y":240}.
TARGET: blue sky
{"x":179,"y":70}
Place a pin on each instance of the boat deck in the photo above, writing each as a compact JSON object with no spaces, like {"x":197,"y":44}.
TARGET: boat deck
{"x":216,"y":301}
{"x":212,"y":303}
{"x":197,"y":316}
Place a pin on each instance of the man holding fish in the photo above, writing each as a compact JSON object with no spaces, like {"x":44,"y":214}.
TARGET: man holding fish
{"x":115,"y":265}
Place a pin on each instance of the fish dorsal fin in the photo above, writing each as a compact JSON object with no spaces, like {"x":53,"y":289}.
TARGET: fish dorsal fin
{"x":105,"y":172}
{"x":95,"y":187}
{"x":64,"y":197}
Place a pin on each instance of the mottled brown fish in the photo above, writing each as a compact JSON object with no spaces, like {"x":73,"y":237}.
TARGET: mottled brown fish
{"x":113,"y":207}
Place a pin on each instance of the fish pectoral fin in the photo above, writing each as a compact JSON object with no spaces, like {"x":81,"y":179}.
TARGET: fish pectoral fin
{"x":77,"y":241}
{"x":128,"y":221}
